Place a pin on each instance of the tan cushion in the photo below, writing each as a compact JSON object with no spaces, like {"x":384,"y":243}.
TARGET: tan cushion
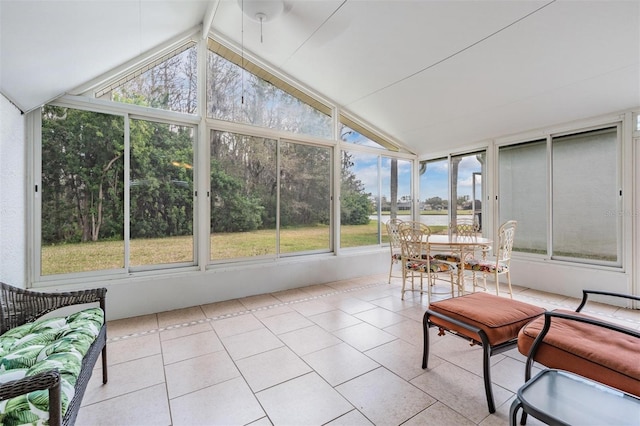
{"x":606,"y":356}
{"x":500,"y":318}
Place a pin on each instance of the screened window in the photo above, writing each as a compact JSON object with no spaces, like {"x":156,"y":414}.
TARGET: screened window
{"x":169,"y":84}
{"x":84,"y":200}
{"x":373,"y":190}
{"x":161,"y":193}
{"x":235,"y":94}
{"x":82,"y":204}
{"x":466,"y":186}
{"x":434,"y":194}
{"x":586,"y":196}
{"x":523,"y":193}
{"x":347,"y":134}
{"x":268,"y":198}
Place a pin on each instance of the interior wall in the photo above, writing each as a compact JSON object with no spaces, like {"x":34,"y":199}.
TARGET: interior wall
{"x":13,"y":174}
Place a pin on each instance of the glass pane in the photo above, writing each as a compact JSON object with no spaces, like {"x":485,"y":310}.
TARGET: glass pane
{"x":396,"y":190}
{"x":239,"y":96}
{"x":305,"y":198}
{"x":359,"y":200}
{"x":161,"y":189}
{"x":467,"y":172}
{"x":434,"y":195}
{"x":585,"y":196}
{"x":82,"y":191}
{"x":243,"y":196}
{"x":170,"y":85}
{"x":523,"y":194}
{"x":347,"y":134}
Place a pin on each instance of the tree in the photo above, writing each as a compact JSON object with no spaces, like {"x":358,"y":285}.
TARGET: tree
{"x":355,"y":203}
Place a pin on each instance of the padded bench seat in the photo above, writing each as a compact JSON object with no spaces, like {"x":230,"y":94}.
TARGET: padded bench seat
{"x":485,"y":319}
{"x":599,"y":353}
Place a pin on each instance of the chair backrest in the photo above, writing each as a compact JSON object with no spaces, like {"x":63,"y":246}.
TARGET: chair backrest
{"x":413,"y":239}
{"x":419,"y":226}
{"x":506,"y":234}
{"x":393,"y":229}
{"x":465,"y":227}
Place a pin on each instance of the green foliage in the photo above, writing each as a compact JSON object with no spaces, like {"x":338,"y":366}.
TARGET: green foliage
{"x":355,"y":205}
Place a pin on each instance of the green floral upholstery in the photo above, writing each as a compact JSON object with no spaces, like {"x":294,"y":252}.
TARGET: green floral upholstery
{"x":40,"y":346}
{"x":488,"y":267}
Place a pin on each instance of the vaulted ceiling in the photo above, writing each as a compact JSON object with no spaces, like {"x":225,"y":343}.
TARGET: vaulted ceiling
{"x":433,"y":75}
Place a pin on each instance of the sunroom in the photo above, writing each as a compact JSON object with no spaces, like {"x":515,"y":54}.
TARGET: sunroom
{"x":188,"y":153}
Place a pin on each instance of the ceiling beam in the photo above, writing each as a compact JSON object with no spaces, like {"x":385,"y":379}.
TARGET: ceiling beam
{"x":208,"y":17}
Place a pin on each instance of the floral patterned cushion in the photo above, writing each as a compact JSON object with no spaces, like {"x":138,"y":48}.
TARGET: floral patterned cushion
{"x":435,"y":265}
{"x":447,"y":257}
{"x":40,"y":346}
{"x":486,"y":266}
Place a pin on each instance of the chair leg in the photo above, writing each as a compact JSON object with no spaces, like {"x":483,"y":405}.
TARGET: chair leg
{"x":486,"y":367}
{"x":497,"y":284}
{"x":509,"y":282}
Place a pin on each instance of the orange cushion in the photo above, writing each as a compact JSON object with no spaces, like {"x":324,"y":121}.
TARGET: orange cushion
{"x":500,"y":318}
{"x":606,"y":356}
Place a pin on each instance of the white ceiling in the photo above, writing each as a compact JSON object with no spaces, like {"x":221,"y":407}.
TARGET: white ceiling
{"x":434,"y":75}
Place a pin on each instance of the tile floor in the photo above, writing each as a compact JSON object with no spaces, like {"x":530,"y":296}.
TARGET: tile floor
{"x":342,"y":353}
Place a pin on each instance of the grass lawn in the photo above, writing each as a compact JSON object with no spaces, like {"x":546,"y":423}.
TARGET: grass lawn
{"x":93,"y":256}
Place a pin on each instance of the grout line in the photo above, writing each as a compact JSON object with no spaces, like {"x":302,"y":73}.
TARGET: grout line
{"x":239,"y":313}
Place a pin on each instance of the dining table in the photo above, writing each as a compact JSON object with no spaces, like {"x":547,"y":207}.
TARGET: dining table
{"x":460,"y":247}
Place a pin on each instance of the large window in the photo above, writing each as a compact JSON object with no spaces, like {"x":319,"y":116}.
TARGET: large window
{"x":373,"y":189}
{"x":523,"y":193}
{"x":169,"y":83}
{"x":235,"y":94}
{"x":581,"y":210}
{"x":586,"y":196}
{"x":268,"y":198}
{"x":84,"y":226}
{"x":452,"y":188}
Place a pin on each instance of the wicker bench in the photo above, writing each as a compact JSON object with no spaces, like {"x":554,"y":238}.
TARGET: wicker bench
{"x":18,"y":307}
{"x":487,"y":320}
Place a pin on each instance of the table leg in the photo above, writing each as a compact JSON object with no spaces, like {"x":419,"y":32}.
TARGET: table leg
{"x":513,"y":412}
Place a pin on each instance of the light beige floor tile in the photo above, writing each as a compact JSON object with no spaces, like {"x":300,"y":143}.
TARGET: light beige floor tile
{"x":173,"y":332}
{"x":319,"y":290}
{"x":395,"y":304}
{"x":416,"y":313}
{"x":198,"y":373}
{"x":306,"y":400}
{"x":348,"y":304}
{"x":460,"y":390}
{"x":180,"y":316}
{"x":508,"y":373}
{"x":133,"y":348}
{"x":310,"y":339}
{"x":286,"y":322}
{"x":191,"y":346}
{"x":125,"y":378}
{"x":380,"y":317}
{"x":409,"y":330}
{"x":227,"y":403}
{"x":271,"y":311}
{"x":352,"y":418}
{"x":272,"y":367}
{"x":148,"y":406}
{"x":401,"y":400}
{"x":127,"y":326}
{"x":236,"y":325}
{"x":220,"y":309}
{"x":264,"y":421}
{"x":334,"y":320}
{"x":364,"y":336}
{"x":312,"y":307}
{"x":291,"y":295}
{"x":400,"y":357}
{"x":251,"y":343}
{"x":439,"y":414}
{"x":259,"y":301}
{"x":340,"y":363}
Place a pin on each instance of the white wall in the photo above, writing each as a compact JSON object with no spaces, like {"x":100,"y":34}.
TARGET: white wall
{"x":146,"y":295}
{"x":12,"y":195}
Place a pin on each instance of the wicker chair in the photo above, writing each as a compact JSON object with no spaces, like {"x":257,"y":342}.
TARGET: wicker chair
{"x":17,"y":307}
{"x":394,"y":244}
